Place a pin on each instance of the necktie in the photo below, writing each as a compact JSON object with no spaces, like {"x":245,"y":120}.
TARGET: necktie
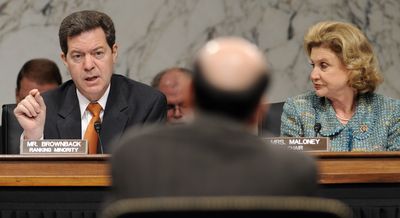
{"x":90,"y":134}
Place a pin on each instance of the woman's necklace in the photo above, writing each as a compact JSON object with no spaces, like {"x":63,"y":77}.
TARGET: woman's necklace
{"x":341,"y":118}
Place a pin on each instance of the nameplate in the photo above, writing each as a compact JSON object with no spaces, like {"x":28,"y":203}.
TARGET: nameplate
{"x":54,"y":147}
{"x":300,"y":143}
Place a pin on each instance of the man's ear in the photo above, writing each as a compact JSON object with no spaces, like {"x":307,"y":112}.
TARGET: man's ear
{"x":114,"y":51}
{"x":64,"y":58}
{"x":191,"y":98}
{"x":259,"y":112}
{"x":17,"y":98}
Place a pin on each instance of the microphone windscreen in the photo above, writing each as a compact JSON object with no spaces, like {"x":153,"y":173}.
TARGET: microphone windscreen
{"x":317,"y":127}
{"x":97,"y":126}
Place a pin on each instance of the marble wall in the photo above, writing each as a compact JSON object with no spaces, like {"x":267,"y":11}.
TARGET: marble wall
{"x":155,"y":34}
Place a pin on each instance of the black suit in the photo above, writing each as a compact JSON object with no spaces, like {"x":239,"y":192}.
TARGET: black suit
{"x":129,"y":103}
{"x":211,"y":156}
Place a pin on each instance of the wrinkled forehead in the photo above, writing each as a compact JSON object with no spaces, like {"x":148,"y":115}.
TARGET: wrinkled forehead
{"x":174,"y":79}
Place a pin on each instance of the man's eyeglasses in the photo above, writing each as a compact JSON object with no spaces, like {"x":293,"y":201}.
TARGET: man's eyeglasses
{"x":175,"y":106}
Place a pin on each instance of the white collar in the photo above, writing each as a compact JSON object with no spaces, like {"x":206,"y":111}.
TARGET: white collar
{"x":84,"y":102}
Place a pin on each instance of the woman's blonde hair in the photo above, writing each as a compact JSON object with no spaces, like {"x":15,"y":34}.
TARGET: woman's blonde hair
{"x":352,"y":48}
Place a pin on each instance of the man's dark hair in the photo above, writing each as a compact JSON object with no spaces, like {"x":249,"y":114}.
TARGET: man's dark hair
{"x":156,"y":80}
{"x":41,"y":70}
{"x":237,"y":105}
{"x":83,"y":21}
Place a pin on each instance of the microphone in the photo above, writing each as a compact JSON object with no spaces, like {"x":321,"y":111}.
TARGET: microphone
{"x":97,"y":127}
{"x":317,"y":128}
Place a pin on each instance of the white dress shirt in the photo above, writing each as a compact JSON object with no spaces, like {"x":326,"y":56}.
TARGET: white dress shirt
{"x":85,"y":114}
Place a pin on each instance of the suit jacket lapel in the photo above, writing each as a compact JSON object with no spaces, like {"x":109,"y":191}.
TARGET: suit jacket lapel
{"x":69,"y":116}
{"x":115,"y":115}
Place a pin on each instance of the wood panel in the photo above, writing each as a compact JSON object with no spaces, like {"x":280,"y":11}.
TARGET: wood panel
{"x":93,"y":170}
{"x":18,"y":170}
{"x":358,"y":167}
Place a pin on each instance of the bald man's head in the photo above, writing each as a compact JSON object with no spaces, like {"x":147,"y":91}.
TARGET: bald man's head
{"x":230,"y":77}
{"x":231,"y":64}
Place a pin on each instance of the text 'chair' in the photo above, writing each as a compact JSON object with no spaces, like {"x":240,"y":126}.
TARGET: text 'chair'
{"x":278,"y":207}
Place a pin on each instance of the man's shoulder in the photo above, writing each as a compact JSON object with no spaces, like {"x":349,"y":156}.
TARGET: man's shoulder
{"x":294,"y":157}
{"x":133,"y":87}
{"x":221,"y":140}
{"x":58,"y":94}
{"x":148,"y":136}
{"x":128,"y":82}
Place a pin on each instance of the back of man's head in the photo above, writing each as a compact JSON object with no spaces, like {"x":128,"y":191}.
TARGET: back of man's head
{"x":230,"y":78}
{"x":40,"y":73}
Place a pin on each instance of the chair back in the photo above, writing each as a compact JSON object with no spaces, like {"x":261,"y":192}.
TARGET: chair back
{"x":231,"y":206}
{"x":11,"y":130}
{"x":270,"y":123}
{"x":1,"y":141}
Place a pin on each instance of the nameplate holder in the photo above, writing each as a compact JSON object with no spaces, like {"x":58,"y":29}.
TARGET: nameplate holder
{"x":300,"y":143}
{"x":54,"y":147}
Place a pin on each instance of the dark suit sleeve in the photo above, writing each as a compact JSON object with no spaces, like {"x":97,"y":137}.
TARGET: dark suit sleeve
{"x":158,"y":110}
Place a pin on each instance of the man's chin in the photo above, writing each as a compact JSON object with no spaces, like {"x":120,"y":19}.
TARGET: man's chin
{"x":93,"y":92}
{"x":176,"y":122}
{"x":184,"y":120}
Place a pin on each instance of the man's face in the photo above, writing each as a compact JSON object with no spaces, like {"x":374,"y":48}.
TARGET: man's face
{"x":90,"y":62}
{"x":28,"y":84}
{"x":175,"y":86}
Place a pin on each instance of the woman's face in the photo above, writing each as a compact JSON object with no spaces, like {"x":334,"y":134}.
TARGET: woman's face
{"x":329,"y":75}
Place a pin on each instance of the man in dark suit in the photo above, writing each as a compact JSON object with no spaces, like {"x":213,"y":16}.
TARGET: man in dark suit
{"x":217,"y":154}
{"x":94,"y":95}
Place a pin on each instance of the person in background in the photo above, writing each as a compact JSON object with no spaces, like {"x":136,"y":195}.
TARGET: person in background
{"x":95,"y":95}
{"x":174,"y":84}
{"x":216,"y":154}
{"x":41,"y":74}
{"x":343,"y":105}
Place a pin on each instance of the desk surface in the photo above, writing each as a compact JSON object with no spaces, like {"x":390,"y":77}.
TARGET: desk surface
{"x":93,"y":170}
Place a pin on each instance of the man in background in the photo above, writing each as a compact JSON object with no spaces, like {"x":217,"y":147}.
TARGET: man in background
{"x":41,"y":74}
{"x":217,"y":154}
{"x":95,"y":96}
{"x":174,"y":84}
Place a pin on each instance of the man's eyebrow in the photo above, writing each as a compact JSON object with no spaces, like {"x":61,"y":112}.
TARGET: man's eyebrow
{"x":98,"y":48}
{"x":79,"y":51}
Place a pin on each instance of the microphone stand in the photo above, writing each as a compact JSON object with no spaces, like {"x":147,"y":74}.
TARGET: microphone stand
{"x":97,"y":127}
